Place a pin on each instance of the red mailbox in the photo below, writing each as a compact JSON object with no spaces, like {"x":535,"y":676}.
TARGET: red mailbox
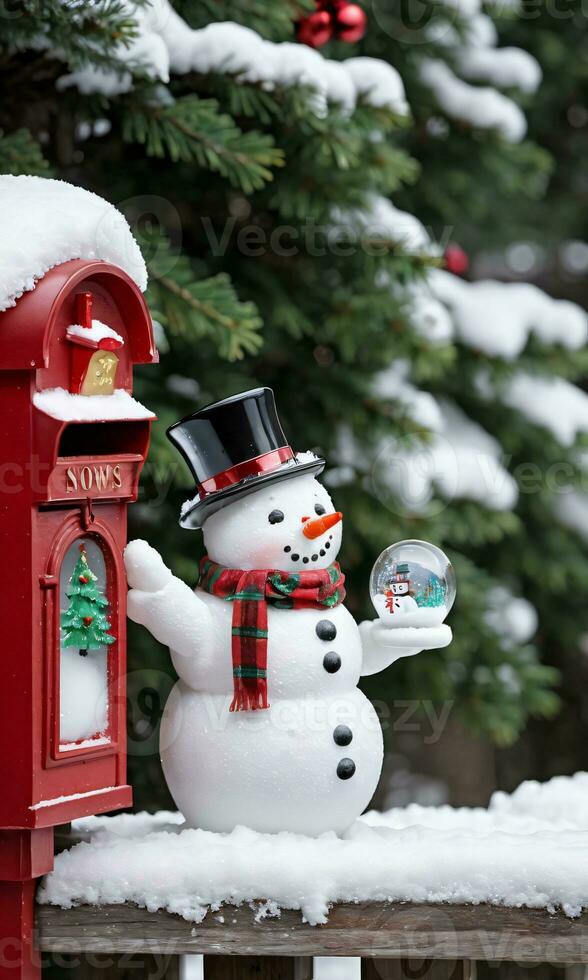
{"x":73,"y":442}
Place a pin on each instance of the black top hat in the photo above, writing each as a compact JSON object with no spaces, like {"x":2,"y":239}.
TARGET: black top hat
{"x":233,"y":447}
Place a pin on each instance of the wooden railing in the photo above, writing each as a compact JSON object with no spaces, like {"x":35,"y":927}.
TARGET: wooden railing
{"x":394,"y":941}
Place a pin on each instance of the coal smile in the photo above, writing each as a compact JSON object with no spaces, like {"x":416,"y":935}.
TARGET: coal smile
{"x":295,"y":556}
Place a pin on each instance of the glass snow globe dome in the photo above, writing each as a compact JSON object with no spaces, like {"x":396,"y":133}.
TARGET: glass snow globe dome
{"x":412,"y":584}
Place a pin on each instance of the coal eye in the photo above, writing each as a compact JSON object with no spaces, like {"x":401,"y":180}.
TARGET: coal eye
{"x":319,"y":509}
{"x":275,"y":517}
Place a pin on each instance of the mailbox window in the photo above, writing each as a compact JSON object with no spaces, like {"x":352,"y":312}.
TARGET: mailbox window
{"x":86,"y":634}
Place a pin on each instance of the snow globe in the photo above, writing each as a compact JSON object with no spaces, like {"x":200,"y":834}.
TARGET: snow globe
{"x":412,"y":584}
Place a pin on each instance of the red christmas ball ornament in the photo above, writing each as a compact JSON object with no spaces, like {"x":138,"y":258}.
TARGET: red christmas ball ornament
{"x":88,"y":620}
{"x":83,"y":579}
{"x":350,"y":22}
{"x":456,"y":260}
{"x":316,"y":29}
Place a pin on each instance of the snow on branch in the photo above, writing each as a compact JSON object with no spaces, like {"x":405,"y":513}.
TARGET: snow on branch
{"x":498,"y":318}
{"x":380,"y":219}
{"x":478,"y":57}
{"x":511,"y":617}
{"x":483,"y":108}
{"x":165,"y":43}
{"x":429,"y":317}
{"x":461,"y":461}
{"x":420,"y":406}
{"x":503,"y":67}
{"x":571,"y":509}
{"x":475,"y":55}
{"x":553,"y":403}
{"x":521,"y":851}
{"x":52,"y":222}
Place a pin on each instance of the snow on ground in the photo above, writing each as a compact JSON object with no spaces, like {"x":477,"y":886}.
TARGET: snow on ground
{"x":165,"y":43}
{"x":51,"y":222}
{"x":62,"y":404}
{"x":522,"y":851}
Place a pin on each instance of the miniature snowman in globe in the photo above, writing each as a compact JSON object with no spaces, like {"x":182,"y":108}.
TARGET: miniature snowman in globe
{"x":266,"y":726}
{"x":412,"y":585}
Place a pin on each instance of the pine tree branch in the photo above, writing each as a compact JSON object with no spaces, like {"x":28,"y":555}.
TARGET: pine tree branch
{"x":193,"y":130}
{"x":21,"y":154}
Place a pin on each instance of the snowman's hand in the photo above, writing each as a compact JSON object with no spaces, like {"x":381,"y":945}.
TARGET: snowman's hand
{"x":164,"y":604}
{"x":145,"y":567}
{"x":383,"y":646}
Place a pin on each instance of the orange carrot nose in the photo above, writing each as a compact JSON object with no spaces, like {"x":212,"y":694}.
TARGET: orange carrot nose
{"x":313,"y":529}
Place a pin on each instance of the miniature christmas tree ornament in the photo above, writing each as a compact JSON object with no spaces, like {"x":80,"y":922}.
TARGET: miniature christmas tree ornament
{"x":412,"y":585}
{"x":266,"y":726}
{"x":84,"y":624}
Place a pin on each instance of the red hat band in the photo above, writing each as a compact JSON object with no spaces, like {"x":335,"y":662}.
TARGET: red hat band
{"x":265,"y":463}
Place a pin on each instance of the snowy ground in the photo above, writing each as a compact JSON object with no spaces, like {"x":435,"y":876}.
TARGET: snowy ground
{"x":525,"y":849}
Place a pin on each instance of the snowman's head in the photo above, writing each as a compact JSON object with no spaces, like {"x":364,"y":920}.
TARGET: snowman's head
{"x":400,"y":588}
{"x":289,"y":525}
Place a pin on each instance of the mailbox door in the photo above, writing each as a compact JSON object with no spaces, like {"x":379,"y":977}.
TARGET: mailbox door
{"x":83,"y":738}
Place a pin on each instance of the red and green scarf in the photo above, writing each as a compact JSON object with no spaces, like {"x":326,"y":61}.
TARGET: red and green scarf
{"x":250,"y":592}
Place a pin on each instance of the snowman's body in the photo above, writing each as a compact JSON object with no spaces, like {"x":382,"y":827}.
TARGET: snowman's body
{"x":401,"y":604}
{"x":311,"y":761}
{"x":262,"y":755}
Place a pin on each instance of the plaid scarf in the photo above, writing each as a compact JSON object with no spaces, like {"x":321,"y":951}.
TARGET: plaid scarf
{"x":250,"y":592}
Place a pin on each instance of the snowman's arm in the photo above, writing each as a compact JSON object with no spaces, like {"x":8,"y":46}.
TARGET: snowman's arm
{"x":164,"y":604}
{"x":383,"y":646}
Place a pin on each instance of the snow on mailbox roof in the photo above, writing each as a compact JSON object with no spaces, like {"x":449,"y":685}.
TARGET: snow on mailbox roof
{"x":64,"y":405}
{"x":52,"y":222}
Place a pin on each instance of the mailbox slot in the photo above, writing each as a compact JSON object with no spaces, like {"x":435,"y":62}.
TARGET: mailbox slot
{"x":76,"y":460}
{"x":103,"y":438}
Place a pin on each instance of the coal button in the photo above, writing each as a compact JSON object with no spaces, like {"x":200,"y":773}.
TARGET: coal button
{"x":346,"y":768}
{"x":342,"y":735}
{"x":326,"y":630}
{"x":331,"y":662}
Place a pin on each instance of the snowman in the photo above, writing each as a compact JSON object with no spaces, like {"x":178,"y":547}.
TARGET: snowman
{"x":398,"y":600}
{"x":266,"y":726}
